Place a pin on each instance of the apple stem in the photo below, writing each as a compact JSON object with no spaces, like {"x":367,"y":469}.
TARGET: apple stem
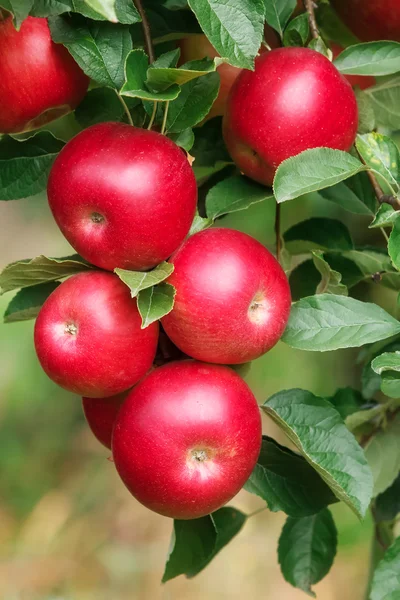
{"x":126,"y":109}
{"x":153,"y":116}
{"x":146,"y":30}
{"x":164,"y":123}
{"x":309,"y":6}
{"x":256,"y":512}
{"x":278,"y":231}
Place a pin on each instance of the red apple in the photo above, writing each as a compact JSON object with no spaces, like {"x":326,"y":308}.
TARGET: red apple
{"x":88,"y":336}
{"x":122,"y":196}
{"x":294,"y":100}
{"x":39,"y":80}
{"x":232,"y":298}
{"x":187,"y":439}
{"x":371,"y":20}
{"x":100,"y":413}
{"x":361,"y":81}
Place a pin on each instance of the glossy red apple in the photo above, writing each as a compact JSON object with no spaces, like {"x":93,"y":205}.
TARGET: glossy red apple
{"x":100,"y":414}
{"x":122,"y":196}
{"x":232,"y":298}
{"x":88,"y":336}
{"x":363,"y":82}
{"x":371,"y":20}
{"x":294,"y":100}
{"x":187,"y":438}
{"x":39,"y":80}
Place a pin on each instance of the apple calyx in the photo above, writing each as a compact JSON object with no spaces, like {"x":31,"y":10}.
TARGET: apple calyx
{"x":71,"y":328}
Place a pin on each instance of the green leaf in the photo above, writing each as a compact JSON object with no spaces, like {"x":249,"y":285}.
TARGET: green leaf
{"x":99,"y":48}
{"x":228,"y":521}
{"x":319,"y":45}
{"x":371,"y":58}
{"x":384,"y":217}
{"x":313,"y":170}
{"x":387,"y":504}
{"x":193,"y":104}
{"x":136,"y":67}
{"x":394,"y":245}
{"x":346,"y":401}
{"x":354,"y":195}
{"x":101,"y":105}
{"x":383,"y":455}
{"x":184,"y":139}
{"x":29,"y":272}
{"x":209,"y":147}
{"x":327,"y":322}
{"x":371,"y":381}
{"x":381,"y":154}
{"x":199,"y":223}
{"x":366,"y":115}
{"x":388,"y":361}
{"x":27,"y":303}
{"x":19,"y":8}
{"x":390,"y":384}
{"x":155,"y":302}
{"x":25,"y":165}
{"x":287,"y":482}
{"x":278,"y":13}
{"x":123,"y":11}
{"x":297,"y":32}
{"x":192,"y":543}
{"x":330,"y":280}
{"x":234,"y":194}
{"x":165,"y":24}
{"x":369,"y":261}
{"x":385,"y":98}
{"x":316,"y":429}
{"x":162,"y":78}
{"x":105,"y":8}
{"x":386,"y":580}
{"x":357,"y":419}
{"x":317,"y":233}
{"x":139,"y":280}
{"x":303,"y":280}
{"x":307,"y":548}
{"x":234,"y":28}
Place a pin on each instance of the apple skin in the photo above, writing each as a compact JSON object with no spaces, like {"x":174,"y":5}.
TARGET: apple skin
{"x":371,"y":20}
{"x":100,"y":414}
{"x":39,"y":80}
{"x":88,"y":336}
{"x":363,"y":82}
{"x":294,"y":100}
{"x":232,"y":298}
{"x":187,"y":439}
{"x":122,"y":196}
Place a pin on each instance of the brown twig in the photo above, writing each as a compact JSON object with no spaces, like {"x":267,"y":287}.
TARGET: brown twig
{"x":380,"y":196}
{"x":309,"y":6}
{"x":146,"y":30}
{"x":278,"y":231}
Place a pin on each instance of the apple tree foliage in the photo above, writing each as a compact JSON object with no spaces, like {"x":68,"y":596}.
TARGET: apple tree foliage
{"x":347,"y":447}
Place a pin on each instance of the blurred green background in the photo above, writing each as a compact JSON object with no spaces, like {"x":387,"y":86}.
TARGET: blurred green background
{"x":69,"y":529}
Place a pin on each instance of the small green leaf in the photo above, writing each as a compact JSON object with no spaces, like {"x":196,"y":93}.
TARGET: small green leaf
{"x":234,"y":194}
{"x":234,"y":28}
{"x":383,"y":455}
{"x":394,"y":245}
{"x":355,"y":195}
{"x":328,"y":322}
{"x":381,"y":154}
{"x":184,"y":139}
{"x":287,"y":482}
{"x":297,"y":32}
{"x":165,"y":25}
{"x":307,"y":548}
{"x":141,"y":280}
{"x":27,"y":303}
{"x":357,"y":419}
{"x":199,"y":223}
{"x":388,"y":361}
{"x":136,"y":67}
{"x":366,"y":115}
{"x":371,"y":58}
{"x":278,"y":13}
{"x":316,"y":429}
{"x":29,"y":272}
{"x":385,"y":98}
{"x":25,"y":165}
{"x":19,"y":8}
{"x":346,"y":401}
{"x":387,"y":504}
{"x":330,"y":279}
{"x":384,"y":217}
{"x":155,"y":302}
{"x":386,"y":580}
{"x":104,"y":7}
{"x":317,"y":234}
{"x":369,"y":261}
{"x":319,"y":45}
{"x":101,"y":105}
{"x":162,"y":78}
{"x":313,"y":170}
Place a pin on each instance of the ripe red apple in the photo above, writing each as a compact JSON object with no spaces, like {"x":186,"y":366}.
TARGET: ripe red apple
{"x":122,"y":196}
{"x":232,"y":298}
{"x":88,"y":336}
{"x":100,"y":414}
{"x":187,"y":438}
{"x":363,"y":82}
{"x":371,"y":20}
{"x":39,"y":80}
{"x":294,"y":100}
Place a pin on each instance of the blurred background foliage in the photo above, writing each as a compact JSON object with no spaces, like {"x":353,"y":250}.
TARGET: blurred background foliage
{"x":69,"y":529}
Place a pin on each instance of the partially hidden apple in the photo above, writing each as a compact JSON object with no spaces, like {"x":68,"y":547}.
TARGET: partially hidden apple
{"x":39,"y":80}
{"x":88,"y":336}
{"x":232,"y":298}
{"x":295,"y":99}
{"x":100,"y":414}
{"x":187,"y":438}
{"x":122,"y":196}
{"x":371,"y":20}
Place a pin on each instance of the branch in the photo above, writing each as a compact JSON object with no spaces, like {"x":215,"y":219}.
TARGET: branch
{"x":146,"y":30}
{"x":309,"y":6}
{"x":380,"y":196}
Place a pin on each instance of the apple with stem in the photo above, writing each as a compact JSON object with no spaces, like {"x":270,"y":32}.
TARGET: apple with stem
{"x":295,"y":99}
{"x":39,"y":80}
{"x":232,"y":298}
{"x":88,"y":336}
{"x":122,"y":196}
{"x":187,"y":438}
{"x":371,"y":20}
